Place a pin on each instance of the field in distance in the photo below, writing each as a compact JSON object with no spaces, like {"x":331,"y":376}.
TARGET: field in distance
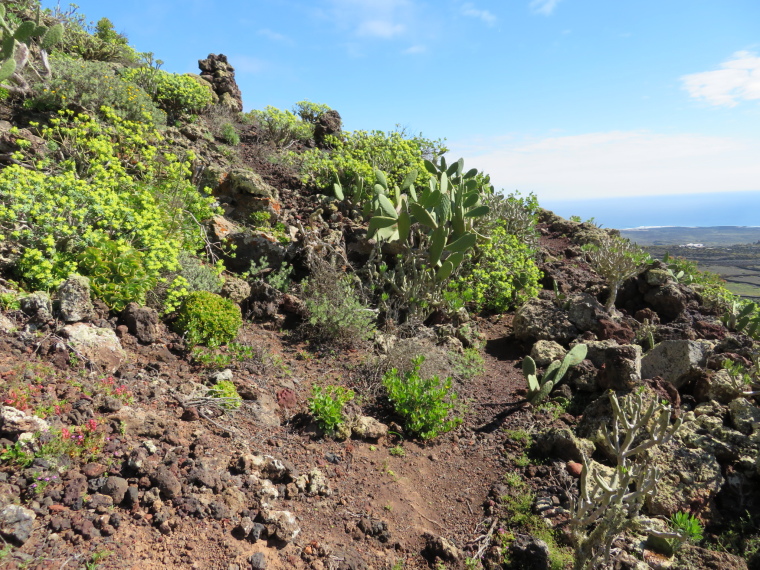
{"x":733,"y":252}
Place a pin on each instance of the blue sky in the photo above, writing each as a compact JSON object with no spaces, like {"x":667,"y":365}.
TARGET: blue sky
{"x":566,"y":98}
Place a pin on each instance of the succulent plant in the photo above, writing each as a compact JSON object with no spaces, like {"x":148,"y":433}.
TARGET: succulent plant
{"x":615,"y":259}
{"x":15,"y":48}
{"x":539,"y":389}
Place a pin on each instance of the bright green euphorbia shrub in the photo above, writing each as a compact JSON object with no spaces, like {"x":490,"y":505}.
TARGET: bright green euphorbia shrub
{"x":113,"y":197}
{"x":501,"y":276}
{"x":174,"y":93}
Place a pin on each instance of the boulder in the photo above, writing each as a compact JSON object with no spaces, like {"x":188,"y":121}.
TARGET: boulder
{"x":142,"y":322}
{"x":619,"y":365}
{"x":676,"y":361}
{"x":38,"y":306}
{"x":544,"y":352}
{"x":99,"y":345}
{"x":217,"y":71}
{"x":237,"y":290}
{"x":667,"y":300}
{"x":14,"y":422}
{"x":529,"y":553}
{"x":328,"y":124}
{"x":563,"y":444}
{"x":719,"y":387}
{"x":690,"y":557}
{"x":74,"y":298}
{"x":367,"y":427}
{"x":584,"y":311}
{"x":745,"y":416}
{"x":282,"y":524}
{"x":16,"y":523}
{"x":539,"y":319}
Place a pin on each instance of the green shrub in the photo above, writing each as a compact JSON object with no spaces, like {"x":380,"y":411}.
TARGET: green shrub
{"x":326,"y":405}
{"x":104,"y":44}
{"x":423,"y":403}
{"x":280,"y":128}
{"x":226,"y":391}
{"x":354,"y":157}
{"x":502,"y":275}
{"x":174,"y":93}
{"x":92,"y":85}
{"x":117,"y":273}
{"x":335,"y":313}
{"x":230,"y":134}
{"x":310,"y":112}
{"x":108,"y":184}
{"x":207,"y":318}
{"x":198,"y":275}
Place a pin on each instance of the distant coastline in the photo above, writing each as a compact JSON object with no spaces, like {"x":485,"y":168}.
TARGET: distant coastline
{"x":695,"y":237}
{"x":717,"y":209}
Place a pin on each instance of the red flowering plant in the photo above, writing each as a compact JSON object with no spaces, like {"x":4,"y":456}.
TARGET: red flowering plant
{"x":85,"y":441}
{"x":120,"y":391}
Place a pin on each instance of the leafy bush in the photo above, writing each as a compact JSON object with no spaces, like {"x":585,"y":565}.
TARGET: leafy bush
{"x":354,"y":157}
{"x":226,"y":391}
{"x":230,"y":134}
{"x":92,"y":85}
{"x":117,"y":273}
{"x":423,"y":403}
{"x":310,"y":112}
{"x":109,"y":185}
{"x":280,"y":128}
{"x":174,"y":93}
{"x":104,"y":44}
{"x":326,"y":405}
{"x":207,"y":318}
{"x":335,"y":313}
{"x":198,"y":275}
{"x":502,"y":275}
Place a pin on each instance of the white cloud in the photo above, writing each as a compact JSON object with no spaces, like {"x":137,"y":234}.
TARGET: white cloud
{"x":737,"y":80}
{"x":384,"y":29}
{"x":619,"y":163}
{"x":274,"y":36}
{"x":471,"y":11}
{"x":383,"y":19}
{"x":545,"y":7}
{"x":415,"y":49}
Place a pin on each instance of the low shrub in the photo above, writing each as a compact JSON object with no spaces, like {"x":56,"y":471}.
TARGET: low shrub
{"x":326,"y":405}
{"x":279,"y":128}
{"x":207,"y":318}
{"x":109,"y":181}
{"x":92,"y":85}
{"x":225,"y":391}
{"x":500,"y":276}
{"x":335,"y":313}
{"x":174,"y":93}
{"x":425,"y":404}
{"x":353,"y":158}
{"x":230,"y":135}
{"x":103,"y":44}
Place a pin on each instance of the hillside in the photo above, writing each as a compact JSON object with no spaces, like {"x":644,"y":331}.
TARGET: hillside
{"x":254,"y":340}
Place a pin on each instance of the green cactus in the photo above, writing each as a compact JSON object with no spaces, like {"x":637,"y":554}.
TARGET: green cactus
{"x":743,"y":318}
{"x":539,"y":390}
{"x":15,"y":49}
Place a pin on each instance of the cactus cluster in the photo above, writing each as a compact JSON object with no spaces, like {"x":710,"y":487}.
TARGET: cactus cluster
{"x":610,"y":503}
{"x":539,"y":389}
{"x":15,"y":48}
{"x":444,"y":212}
{"x":743,"y":318}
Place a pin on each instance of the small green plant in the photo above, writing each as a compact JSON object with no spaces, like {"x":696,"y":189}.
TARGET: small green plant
{"x":225,"y":391}
{"x":539,"y":389}
{"x":9,"y":301}
{"x":230,"y":135}
{"x":207,"y":318}
{"x":280,"y":128}
{"x":468,"y":364}
{"x":174,"y":93}
{"x":688,"y":527}
{"x":425,"y":404}
{"x":397,"y":451}
{"x":109,"y":387}
{"x":17,"y":455}
{"x":326,"y":405}
{"x":335,"y":313}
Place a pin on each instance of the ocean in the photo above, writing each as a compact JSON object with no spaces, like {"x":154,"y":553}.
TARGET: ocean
{"x":686,"y":210}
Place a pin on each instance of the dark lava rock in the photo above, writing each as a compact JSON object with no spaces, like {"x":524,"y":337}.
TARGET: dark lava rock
{"x":529,"y":553}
